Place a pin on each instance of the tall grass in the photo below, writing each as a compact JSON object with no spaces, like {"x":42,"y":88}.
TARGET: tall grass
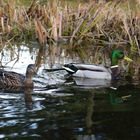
{"x":112,"y":23}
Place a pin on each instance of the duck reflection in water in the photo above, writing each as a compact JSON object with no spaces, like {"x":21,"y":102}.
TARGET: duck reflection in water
{"x":28,"y":98}
{"x":88,"y":82}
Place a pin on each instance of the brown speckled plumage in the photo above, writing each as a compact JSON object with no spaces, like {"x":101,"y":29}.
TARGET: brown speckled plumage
{"x":13,"y":79}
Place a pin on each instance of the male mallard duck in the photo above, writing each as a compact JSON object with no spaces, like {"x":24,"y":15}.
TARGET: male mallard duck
{"x":13,"y":79}
{"x":95,"y":71}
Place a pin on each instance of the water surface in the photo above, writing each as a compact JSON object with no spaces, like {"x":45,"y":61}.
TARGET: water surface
{"x":60,"y":109}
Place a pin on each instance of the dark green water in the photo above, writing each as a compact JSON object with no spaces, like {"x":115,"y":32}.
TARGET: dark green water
{"x":67,"y":110}
{"x":72,"y":113}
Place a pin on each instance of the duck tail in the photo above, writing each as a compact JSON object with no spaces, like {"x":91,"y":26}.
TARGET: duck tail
{"x":70,"y":68}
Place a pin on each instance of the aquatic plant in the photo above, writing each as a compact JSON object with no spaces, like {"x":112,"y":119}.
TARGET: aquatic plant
{"x":106,"y":24}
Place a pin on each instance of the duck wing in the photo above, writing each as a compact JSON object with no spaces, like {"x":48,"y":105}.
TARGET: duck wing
{"x":8,"y":78}
{"x":74,"y":67}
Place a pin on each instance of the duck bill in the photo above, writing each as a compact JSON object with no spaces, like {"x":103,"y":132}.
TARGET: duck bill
{"x":127,"y":59}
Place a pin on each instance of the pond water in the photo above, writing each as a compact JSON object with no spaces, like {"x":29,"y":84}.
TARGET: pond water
{"x":60,"y":109}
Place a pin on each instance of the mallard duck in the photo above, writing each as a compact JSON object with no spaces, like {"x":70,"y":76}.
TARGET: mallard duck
{"x":96,"y":71}
{"x":13,"y":79}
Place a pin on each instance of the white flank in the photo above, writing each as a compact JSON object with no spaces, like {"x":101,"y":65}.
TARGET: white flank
{"x":90,"y":67}
{"x":93,"y":74}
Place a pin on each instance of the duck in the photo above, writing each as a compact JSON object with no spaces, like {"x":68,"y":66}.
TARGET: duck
{"x":16,"y":80}
{"x":97,"y":71}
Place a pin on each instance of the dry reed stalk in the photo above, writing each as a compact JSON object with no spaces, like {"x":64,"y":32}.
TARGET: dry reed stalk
{"x":32,"y":7}
{"x":2,"y":20}
{"x":92,"y":22}
{"x":10,"y":10}
{"x":76,"y":30}
{"x":138,"y":47}
{"x":60,"y":24}
{"x":55,"y":16}
{"x":21,"y":18}
{"x":126,"y":27}
{"x":105,"y":24}
{"x":80,"y":23}
{"x":2,"y":24}
{"x":54,"y":29}
{"x":40,"y":32}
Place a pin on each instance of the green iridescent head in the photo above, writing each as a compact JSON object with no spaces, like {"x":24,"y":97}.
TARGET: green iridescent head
{"x":116,"y":56}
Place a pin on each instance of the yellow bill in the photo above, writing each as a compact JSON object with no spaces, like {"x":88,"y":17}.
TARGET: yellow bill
{"x":127,"y":59}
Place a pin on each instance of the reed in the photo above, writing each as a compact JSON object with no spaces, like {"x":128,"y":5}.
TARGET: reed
{"x":112,"y":23}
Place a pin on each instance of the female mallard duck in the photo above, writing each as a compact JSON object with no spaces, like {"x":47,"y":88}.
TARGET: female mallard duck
{"x":13,"y":79}
{"x":95,"y":71}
